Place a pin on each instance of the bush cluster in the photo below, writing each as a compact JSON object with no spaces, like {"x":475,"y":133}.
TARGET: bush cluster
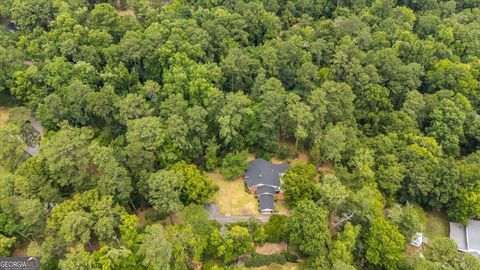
{"x":261,"y":260}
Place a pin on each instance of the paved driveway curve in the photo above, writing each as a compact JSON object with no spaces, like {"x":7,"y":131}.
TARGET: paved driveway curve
{"x":214,"y":214}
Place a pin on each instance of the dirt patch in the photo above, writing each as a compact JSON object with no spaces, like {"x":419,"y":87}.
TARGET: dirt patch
{"x":326,"y":167}
{"x":282,"y":208}
{"x":271,"y":248}
{"x":4,"y":115}
{"x":140,"y":213}
{"x":126,"y":12}
{"x":302,"y":158}
{"x":21,"y":251}
{"x":231,"y":198}
{"x":275,"y":266}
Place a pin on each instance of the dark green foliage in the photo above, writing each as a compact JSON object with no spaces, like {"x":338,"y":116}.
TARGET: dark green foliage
{"x":234,"y":164}
{"x":258,"y":260}
{"x":299,"y":183}
{"x":137,"y":97}
{"x":275,"y":229}
{"x":286,"y":152}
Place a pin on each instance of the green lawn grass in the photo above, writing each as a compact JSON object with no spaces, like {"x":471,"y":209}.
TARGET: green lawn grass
{"x":231,"y":198}
{"x":436,"y":225}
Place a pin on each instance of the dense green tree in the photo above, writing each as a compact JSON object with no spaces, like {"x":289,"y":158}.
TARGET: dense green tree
{"x":133,"y":95}
{"x":111,"y":178}
{"x":66,"y":156}
{"x":307,"y":229}
{"x":234,"y":164}
{"x":10,"y":60}
{"x":442,"y":250}
{"x":12,"y":152}
{"x":275,"y":228}
{"x":366,"y":204}
{"x":447,"y":126}
{"x":78,"y":258}
{"x":331,"y":192}
{"x":385,"y":245}
{"x":232,"y":119}
{"x":344,"y":245}
{"x":155,"y":249}
{"x":300,"y":117}
{"x":211,"y":155}
{"x":453,"y":76}
{"x":164,"y":191}
{"x":30,"y":14}
{"x":339,"y":102}
{"x":409,"y":219}
{"x":196,"y":186}
{"x":330,"y":146}
{"x":299,"y":183}
{"x":6,"y":244}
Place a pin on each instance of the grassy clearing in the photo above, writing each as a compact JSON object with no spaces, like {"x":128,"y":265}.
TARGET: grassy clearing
{"x":3,"y":115}
{"x":232,"y":199}
{"x":436,"y":225}
{"x":271,"y":248}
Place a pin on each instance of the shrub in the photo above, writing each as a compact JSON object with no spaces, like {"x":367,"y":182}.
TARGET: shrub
{"x":152,"y":216}
{"x":234,"y":164}
{"x":275,"y":228}
{"x":264,"y":154}
{"x":258,"y":260}
{"x":285,"y":151}
{"x":290,"y":257}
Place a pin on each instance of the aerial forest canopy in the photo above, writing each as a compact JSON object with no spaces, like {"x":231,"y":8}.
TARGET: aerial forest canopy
{"x":139,"y":98}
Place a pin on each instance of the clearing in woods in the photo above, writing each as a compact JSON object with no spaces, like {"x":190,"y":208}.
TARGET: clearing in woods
{"x":231,"y":198}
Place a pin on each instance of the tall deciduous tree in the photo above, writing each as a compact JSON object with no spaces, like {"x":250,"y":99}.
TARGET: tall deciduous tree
{"x":30,"y":14}
{"x":13,"y":147}
{"x":234,"y":164}
{"x":299,"y":183}
{"x":307,"y":229}
{"x":196,"y":187}
{"x":385,"y":245}
{"x":164,"y":191}
{"x":155,"y":250}
{"x":409,"y":219}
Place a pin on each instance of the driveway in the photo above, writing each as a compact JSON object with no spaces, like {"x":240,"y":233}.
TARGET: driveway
{"x":214,"y":214}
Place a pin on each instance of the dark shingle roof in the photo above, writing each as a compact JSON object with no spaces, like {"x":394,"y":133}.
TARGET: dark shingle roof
{"x":264,"y":172}
{"x":266,"y":202}
{"x":266,"y":190}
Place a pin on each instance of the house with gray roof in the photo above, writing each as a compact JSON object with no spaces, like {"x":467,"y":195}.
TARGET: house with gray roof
{"x":264,"y":179}
{"x":467,"y":237}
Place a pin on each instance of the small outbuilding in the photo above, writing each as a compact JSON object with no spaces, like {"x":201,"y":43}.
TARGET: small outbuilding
{"x":467,"y":237}
{"x":12,"y":28}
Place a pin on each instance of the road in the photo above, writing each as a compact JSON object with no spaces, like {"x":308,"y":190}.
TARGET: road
{"x":214,"y":214}
{"x":34,"y":150}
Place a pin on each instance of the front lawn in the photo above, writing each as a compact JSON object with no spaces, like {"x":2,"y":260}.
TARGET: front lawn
{"x":436,"y":225}
{"x":232,"y":199}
